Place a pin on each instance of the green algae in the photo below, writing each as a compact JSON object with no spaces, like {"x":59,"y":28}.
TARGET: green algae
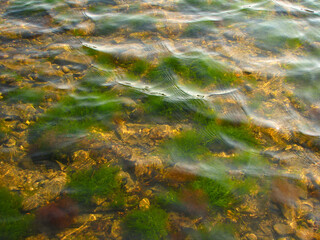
{"x":29,"y":8}
{"x":56,"y":134}
{"x":197,"y":144}
{"x":77,"y":113}
{"x":94,"y":80}
{"x":200,"y":70}
{"x":169,"y":199}
{"x":206,"y":5}
{"x":187,"y":146}
{"x":219,"y":195}
{"x":134,"y":23}
{"x":13,"y":224}
{"x":147,"y":224}
{"x":240,"y":133}
{"x":26,"y":95}
{"x":248,"y":159}
{"x":276,"y":35}
{"x":160,"y":106}
{"x":200,"y":29}
{"x":139,"y":67}
{"x":101,"y":182}
{"x":218,"y":232}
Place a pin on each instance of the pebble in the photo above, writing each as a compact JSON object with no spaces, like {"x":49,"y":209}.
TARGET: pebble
{"x":21,"y":127}
{"x":144,"y":203}
{"x":11,"y":143}
{"x":65,"y":69}
{"x":304,"y":234}
{"x":127,"y":181}
{"x":116,"y":229}
{"x":251,"y":236}
{"x":283,"y":229}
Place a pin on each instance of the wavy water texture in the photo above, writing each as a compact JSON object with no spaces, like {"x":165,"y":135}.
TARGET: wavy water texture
{"x":205,"y":112}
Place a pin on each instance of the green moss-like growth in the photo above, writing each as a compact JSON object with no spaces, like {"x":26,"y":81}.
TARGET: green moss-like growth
{"x":94,"y":80}
{"x":171,"y":109}
{"x":56,"y":133}
{"x":248,"y":159}
{"x":13,"y":224}
{"x":186,"y":146}
{"x":219,"y":195}
{"x":139,"y":67}
{"x":145,"y":224}
{"x":207,"y":5}
{"x":29,"y":8}
{"x":240,"y":133}
{"x":199,"y":29}
{"x":169,"y":199}
{"x":275,"y":35}
{"x":199,"y":70}
{"x":102,"y":182}
{"x":26,"y":95}
{"x":219,"y":232}
{"x":159,"y":106}
{"x":134,"y":23}
{"x":80,"y":112}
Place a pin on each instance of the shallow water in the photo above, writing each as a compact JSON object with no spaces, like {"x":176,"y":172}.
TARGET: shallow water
{"x":187,"y":119}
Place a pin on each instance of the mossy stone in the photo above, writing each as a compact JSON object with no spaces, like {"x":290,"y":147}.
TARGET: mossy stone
{"x":101,"y":182}
{"x":145,"y":224}
{"x":13,"y":224}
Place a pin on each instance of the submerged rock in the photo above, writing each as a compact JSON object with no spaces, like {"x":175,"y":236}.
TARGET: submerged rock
{"x":283,"y":229}
{"x":47,"y":193}
{"x":57,"y":215}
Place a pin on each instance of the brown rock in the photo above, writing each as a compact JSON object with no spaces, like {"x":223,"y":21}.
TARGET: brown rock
{"x":116,"y":229}
{"x":127,"y":181}
{"x":283,"y":229}
{"x":284,"y":193}
{"x":178,"y":175}
{"x":144,"y":203}
{"x":149,"y":167}
{"x":251,"y":236}
{"x":57,"y":215}
{"x":85,"y":28}
{"x":195,"y":201}
{"x":305,"y":234}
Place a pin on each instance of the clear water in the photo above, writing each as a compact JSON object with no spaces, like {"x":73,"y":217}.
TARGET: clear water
{"x":172,"y":119}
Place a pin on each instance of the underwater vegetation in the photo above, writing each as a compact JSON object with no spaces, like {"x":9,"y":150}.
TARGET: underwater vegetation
{"x":186,"y":146}
{"x":31,"y":7}
{"x":305,"y":77}
{"x":79,"y":112}
{"x":94,"y":80}
{"x":134,"y":23}
{"x":206,"y":5}
{"x":198,"y":70}
{"x":236,"y":132}
{"x":194,"y":68}
{"x":218,"y":232}
{"x":25,"y":95}
{"x":200,"y":29}
{"x":147,"y":224}
{"x":197,"y":144}
{"x":101,"y":182}
{"x":13,"y":223}
{"x":219,"y":195}
{"x":275,"y":35}
{"x":58,"y":130}
{"x":163,"y":107}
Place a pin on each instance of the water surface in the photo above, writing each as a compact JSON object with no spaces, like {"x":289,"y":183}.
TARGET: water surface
{"x":170,"y":119}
